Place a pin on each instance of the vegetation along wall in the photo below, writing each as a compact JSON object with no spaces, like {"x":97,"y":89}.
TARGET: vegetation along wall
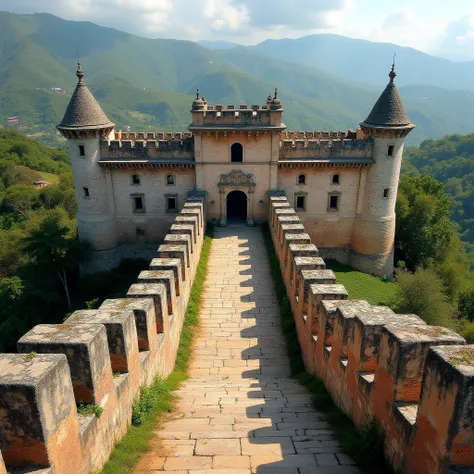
{"x":97,"y":360}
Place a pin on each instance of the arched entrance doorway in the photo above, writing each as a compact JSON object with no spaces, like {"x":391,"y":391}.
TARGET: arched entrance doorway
{"x":237,"y":205}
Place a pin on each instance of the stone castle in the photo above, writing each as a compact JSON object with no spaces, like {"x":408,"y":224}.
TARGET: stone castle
{"x":415,"y":381}
{"x":343,"y":185}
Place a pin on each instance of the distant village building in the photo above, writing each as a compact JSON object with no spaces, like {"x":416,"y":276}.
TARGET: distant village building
{"x":343,"y":184}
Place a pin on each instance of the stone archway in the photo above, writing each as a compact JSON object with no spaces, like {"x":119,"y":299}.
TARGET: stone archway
{"x":238,"y":186}
{"x":236,"y":203}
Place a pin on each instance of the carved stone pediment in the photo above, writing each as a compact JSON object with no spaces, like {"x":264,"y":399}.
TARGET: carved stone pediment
{"x":236,"y":178}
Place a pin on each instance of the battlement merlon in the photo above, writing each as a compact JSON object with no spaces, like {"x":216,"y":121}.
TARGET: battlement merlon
{"x":233,"y":117}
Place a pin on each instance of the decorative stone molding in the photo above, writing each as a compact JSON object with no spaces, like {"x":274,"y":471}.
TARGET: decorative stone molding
{"x":236,"y":178}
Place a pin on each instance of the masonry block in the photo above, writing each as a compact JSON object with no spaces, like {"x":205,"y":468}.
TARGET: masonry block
{"x":144,"y":314}
{"x":87,"y":352}
{"x":297,"y":250}
{"x":173,"y":264}
{"x":309,"y":277}
{"x":121,"y":337}
{"x":190,"y":212}
{"x":184,"y":229}
{"x":166,"y":277}
{"x":306,"y":263}
{"x":175,"y":251}
{"x":318,"y":293}
{"x":445,"y":419}
{"x":180,"y":239}
{"x":401,"y":362}
{"x":39,"y":425}
{"x":189,"y":220}
{"x":156,"y":291}
{"x":284,"y":219}
{"x":289,"y":239}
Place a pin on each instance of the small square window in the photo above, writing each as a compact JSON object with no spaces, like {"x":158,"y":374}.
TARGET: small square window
{"x":82,"y":150}
{"x":170,"y":180}
{"x":386,"y":193}
{"x":171,"y":204}
{"x":335,"y":179}
{"x":390,"y":150}
{"x":86,"y":192}
{"x":301,"y":179}
{"x":300,"y":203}
{"x":333,"y":202}
{"x":140,"y":232}
{"x":135,"y":179}
{"x":138,"y":204}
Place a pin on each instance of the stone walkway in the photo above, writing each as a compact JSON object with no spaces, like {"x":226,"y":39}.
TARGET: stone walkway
{"x":240,"y":412}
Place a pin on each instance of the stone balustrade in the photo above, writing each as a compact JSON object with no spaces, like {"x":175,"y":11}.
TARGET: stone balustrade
{"x":100,"y":357}
{"x":415,"y":380}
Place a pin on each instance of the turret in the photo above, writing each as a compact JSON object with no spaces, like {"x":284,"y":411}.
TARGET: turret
{"x":85,"y":125}
{"x":374,"y":227}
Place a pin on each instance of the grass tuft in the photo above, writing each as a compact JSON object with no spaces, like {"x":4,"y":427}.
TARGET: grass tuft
{"x":364,"y":445}
{"x":85,"y":409}
{"x":158,"y":398}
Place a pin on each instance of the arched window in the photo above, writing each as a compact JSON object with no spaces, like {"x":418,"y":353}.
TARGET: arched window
{"x":237,"y":153}
{"x":301,"y":179}
{"x":170,"y":181}
{"x":335,"y":179}
{"x":135,"y":179}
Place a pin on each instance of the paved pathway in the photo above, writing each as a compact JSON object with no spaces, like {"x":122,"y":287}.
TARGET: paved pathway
{"x":240,"y":412}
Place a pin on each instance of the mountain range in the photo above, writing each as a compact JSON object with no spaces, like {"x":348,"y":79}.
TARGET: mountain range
{"x":327,"y":82}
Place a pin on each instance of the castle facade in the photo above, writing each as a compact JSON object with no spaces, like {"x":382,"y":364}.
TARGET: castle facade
{"x":343,"y":185}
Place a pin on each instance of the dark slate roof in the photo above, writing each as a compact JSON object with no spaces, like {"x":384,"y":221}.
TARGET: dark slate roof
{"x":388,"y":111}
{"x":83,"y":111}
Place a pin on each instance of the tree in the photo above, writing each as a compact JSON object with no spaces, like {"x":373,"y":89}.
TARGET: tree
{"x":54,"y":248}
{"x":424,"y":229}
{"x":466,"y":305}
{"x":20,"y":199}
{"x":422,"y":293}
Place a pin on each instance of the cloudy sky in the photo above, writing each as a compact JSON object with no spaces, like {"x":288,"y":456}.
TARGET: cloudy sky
{"x":435,"y":26}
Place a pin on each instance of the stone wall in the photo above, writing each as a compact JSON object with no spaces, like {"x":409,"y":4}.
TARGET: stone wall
{"x":99,"y":357}
{"x":416,"y":380}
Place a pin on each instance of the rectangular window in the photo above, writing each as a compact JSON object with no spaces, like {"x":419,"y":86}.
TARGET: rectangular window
{"x":386,"y":193}
{"x":171,"y":204}
{"x":333,"y":204}
{"x":300,"y":203}
{"x":82,"y":150}
{"x":390,"y":150}
{"x":138,"y":205}
{"x":86,"y":192}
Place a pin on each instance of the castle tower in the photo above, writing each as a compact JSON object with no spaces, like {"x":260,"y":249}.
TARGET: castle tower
{"x":374,"y":226}
{"x":84,"y":125}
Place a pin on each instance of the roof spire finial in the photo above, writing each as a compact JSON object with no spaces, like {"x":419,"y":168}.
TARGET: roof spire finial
{"x":197,"y":93}
{"x":79,"y":72}
{"x":276,"y":93}
{"x":393,"y":74}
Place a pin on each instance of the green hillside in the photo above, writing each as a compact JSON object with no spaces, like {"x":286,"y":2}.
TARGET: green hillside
{"x":361,"y":60}
{"x":150,"y":83}
{"x":451,"y":161}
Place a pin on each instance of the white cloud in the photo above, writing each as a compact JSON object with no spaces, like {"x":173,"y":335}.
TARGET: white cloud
{"x":458,"y":38}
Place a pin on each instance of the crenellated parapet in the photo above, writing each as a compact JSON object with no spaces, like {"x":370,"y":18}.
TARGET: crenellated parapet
{"x":148,"y":145}
{"x":99,"y":358}
{"x":313,"y":145}
{"x":415,"y":380}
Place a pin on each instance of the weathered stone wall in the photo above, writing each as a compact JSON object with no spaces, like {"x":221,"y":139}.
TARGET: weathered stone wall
{"x":99,"y":357}
{"x":416,"y":380}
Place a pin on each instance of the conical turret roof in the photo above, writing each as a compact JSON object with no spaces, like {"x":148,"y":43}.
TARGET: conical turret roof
{"x":83,"y":111}
{"x":388,"y":111}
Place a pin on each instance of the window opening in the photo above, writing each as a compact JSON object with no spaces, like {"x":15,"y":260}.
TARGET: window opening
{"x":86,"y":192}
{"x":300,"y":203}
{"x":237,"y":153}
{"x":82,"y":150}
{"x":335,"y":179}
{"x":135,"y":179}
{"x":301,"y":179}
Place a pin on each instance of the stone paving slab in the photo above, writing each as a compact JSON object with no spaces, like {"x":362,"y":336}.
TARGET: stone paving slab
{"x":240,"y":412}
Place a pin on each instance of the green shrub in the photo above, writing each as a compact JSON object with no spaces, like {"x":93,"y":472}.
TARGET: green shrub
{"x":422,"y":293}
{"x":85,"y":409}
{"x":468,"y":333}
{"x":466,"y":305}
